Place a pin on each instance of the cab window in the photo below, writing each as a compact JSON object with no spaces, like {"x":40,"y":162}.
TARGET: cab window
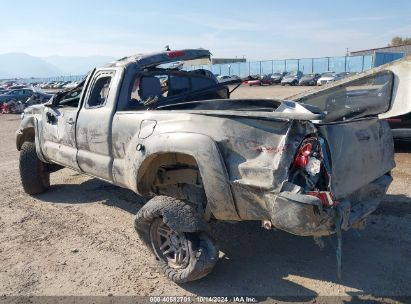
{"x":99,"y":92}
{"x":178,"y":85}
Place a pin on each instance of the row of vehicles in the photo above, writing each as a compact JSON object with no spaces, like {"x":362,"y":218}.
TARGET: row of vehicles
{"x":15,"y":99}
{"x":295,"y":78}
{"x":58,"y":85}
{"x":10,"y":85}
{"x":400,"y":125}
{"x":23,"y":94}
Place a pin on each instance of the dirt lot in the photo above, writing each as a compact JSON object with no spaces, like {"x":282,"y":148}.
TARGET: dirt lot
{"x":275,"y":91}
{"x":78,"y":239}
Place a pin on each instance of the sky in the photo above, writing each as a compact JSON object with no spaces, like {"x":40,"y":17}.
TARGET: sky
{"x":257,"y":30}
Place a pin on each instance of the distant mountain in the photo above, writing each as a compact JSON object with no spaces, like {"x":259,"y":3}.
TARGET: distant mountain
{"x":21,"y":65}
{"x":17,"y":65}
{"x":76,"y":65}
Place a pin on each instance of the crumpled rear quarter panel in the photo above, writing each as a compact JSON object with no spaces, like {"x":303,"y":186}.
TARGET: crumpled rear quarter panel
{"x":258,"y":156}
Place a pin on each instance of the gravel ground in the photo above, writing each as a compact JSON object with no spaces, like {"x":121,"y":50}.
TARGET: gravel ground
{"x":78,"y":239}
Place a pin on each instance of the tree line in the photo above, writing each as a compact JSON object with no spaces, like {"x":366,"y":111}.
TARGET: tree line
{"x":397,"y":41}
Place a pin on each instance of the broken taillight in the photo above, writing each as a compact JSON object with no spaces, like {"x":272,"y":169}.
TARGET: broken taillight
{"x":173,"y":54}
{"x":302,"y":157}
{"x":310,"y":170}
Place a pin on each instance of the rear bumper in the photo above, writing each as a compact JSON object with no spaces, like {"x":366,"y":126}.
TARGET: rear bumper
{"x":305,"y":215}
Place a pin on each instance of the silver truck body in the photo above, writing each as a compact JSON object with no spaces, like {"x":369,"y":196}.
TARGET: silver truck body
{"x":235,"y":159}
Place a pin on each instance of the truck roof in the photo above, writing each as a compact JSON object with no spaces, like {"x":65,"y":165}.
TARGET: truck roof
{"x":154,"y":59}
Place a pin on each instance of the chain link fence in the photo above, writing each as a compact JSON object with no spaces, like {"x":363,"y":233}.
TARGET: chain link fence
{"x":306,"y":65}
{"x":243,"y":69}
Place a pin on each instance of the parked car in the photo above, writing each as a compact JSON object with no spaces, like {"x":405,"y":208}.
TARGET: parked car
{"x":309,"y":79}
{"x":292,"y":78}
{"x":226,"y":78}
{"x":277,"y":77}
{"x":328,"y":77}
{"x":70,"y":85}
{"x":252,"y":80}
{"x":266,"y":80}
{"x":311,"y":166}
{"x":16,"y":86}
{"x":16,"y":94}
{"x":23,"y":94}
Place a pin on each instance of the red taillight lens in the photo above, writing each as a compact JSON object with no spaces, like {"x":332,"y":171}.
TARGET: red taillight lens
{"x":301,"y":159}
{"x":309,"y":170}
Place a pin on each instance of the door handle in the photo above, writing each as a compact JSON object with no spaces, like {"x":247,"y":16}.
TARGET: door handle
{"x":70,"y":121}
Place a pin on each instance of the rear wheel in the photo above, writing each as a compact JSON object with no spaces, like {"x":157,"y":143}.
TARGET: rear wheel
{"x":182,"y":256}
{"x":168,"y":245}
{"x":34,"y":174}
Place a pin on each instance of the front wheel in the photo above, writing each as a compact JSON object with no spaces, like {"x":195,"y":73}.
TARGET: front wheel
{"x":34,"y":174}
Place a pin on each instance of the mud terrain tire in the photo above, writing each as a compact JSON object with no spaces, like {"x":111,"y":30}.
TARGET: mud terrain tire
{"x":34,"y":174}
{"x":187,"y":239}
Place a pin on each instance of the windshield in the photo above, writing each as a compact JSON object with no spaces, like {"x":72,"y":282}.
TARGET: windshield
{"x":328,"y":75}
{"x":367,"y":96}
{"x":293,"y":73}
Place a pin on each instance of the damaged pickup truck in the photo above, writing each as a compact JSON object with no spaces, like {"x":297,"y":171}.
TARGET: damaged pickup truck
{"x":310,"y":166}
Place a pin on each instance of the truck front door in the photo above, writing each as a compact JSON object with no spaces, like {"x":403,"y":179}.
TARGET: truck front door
{"x":93,"y":133}
{"x":58,"y":129}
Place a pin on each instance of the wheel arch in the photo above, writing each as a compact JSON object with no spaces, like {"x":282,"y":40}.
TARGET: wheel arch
{"x":26,"y":132}
{"x":198,"y":150}
{"x":29,"y":131}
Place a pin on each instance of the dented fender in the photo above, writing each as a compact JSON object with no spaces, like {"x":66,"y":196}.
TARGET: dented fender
{"x":30,"y":122}
{"x":207,"y":155}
